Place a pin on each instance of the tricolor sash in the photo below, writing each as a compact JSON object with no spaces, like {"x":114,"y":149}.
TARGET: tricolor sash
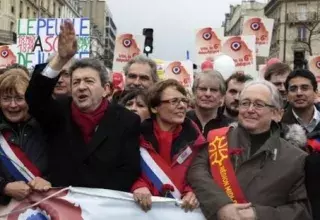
{"x":12,"y":163}
{"x":221,"y":166}
{"x":159,"y":173}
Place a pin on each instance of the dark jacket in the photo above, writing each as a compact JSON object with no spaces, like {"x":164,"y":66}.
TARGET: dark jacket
{"x":189,"y":136}
{"x":274,"y":184}
{"x":220,"y":121}
{"x":30,"y":138}
{"x":312,"y":165}
{"x":110,"y":160}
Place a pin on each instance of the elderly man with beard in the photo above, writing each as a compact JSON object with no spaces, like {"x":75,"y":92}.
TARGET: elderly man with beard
{"x":234,"y":84}
{"x":92,"y":143}
{"x":253,"y":169}
{"x":208,"y":90}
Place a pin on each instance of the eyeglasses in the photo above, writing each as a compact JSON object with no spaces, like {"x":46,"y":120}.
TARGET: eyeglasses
{"x":176,"y":101}
{"x":258,"y":105}
{"x":8,"y":99}
{"x":303,"y":88}
{"x":142,"y":77}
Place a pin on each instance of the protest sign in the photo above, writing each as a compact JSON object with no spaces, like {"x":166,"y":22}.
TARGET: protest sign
{"x":242,"y":50}
{"x":262,"y":28}
{"x":127,"y":46}
{"x":208,"y":43}
{"x":38,"y":38}
{"x":8,"y":55}
{"x":314,"y":67}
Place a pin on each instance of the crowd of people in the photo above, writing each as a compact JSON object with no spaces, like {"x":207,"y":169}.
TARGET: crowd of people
{"x":240,"y":149}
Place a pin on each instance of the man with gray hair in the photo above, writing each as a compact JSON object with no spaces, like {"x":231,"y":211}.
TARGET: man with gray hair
{"x":92,"y":143}
{"x":62,"y":87}
{"x":209,"y":90}
{"x":140,"y":72}
{"x":253,"y":170}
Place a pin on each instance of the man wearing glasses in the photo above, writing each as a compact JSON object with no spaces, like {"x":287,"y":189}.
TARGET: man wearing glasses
{"x":251,"y":170}
{"x":301,"y":86}
{"x":62,"y":87}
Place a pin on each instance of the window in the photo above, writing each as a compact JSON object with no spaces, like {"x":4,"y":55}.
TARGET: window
{"x":302,"y":12}
{"x":28,"y":12}
{"x":302,"y":33}
{"x":12,"y":9}
{"x":59,"y":12}
{"x":11,"y":26}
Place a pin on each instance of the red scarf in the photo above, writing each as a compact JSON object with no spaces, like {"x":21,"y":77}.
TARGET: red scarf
{"x":88,"y":121}
{"x":165,"y":140}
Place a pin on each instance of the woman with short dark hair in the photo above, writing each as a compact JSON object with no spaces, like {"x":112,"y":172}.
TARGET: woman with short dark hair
{"x":168,"y":143}
{"x":136,"y":101}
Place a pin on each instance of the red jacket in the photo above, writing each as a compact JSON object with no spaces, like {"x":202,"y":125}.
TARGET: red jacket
{"x":189,"y":136}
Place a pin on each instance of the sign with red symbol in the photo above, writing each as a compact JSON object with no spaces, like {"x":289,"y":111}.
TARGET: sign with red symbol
{"x":127,"y":46}
{"x":261,"y":28}
{"x":242,"y":50}
{"x":8,"y":55}
{"x":314,"y":67}
{"x":179,"y":70}
{"x":208,"y":43}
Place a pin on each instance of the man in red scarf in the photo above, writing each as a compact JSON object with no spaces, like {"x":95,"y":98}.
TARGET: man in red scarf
{"x":92,"y":143}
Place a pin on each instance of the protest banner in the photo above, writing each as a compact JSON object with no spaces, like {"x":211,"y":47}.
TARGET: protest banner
{"x":208,"y":43}
{"x":262,"y":28}
{"x":127,"y":46}
{"x":160,"y":68}
{"x":38,"y":38}
{"x":242,"y":50}
{"x":8,"y":55}
{"x":181,"y":71}
{"x":88,"y":204}
{"x":314,"y":67}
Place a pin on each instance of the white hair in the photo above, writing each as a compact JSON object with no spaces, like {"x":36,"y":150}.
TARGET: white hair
{"x":276,"y":99}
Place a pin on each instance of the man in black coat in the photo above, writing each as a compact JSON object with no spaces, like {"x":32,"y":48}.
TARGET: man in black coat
{"x":92,"y":143}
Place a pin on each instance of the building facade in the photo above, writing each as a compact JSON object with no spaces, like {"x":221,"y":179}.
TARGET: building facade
{"x":95,"y":11}
{"x":234,"y":19}
{"x":11,"y":10}
{"x":292,"y":38}
{"x":110,"y":39}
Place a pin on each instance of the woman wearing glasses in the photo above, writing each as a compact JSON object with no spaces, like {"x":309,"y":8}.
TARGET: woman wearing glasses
{"x":22,"y":145}
{"x":169,"y":141}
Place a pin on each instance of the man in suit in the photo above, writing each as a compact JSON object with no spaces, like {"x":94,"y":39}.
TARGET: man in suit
{"x":92,"y":143}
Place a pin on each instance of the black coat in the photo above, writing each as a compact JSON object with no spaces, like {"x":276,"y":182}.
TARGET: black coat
{"x":312,"y":165}
{"x":219,"y":122}
{"x":31,"y":140}
{"x":111,"y":160}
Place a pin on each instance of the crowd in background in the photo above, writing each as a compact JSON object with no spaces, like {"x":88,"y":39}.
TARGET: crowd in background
{"x":69,"y":126}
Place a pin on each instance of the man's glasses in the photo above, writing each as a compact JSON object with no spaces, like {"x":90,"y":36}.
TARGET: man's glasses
{"x":258,"y":105}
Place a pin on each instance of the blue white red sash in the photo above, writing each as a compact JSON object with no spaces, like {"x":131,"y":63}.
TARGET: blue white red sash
{"x":156,"y":174}
{"x":12,"y":163}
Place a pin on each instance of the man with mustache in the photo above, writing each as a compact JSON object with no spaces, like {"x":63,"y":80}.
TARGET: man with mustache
{"x":140,"y":73}
{"x":301,"y":86}
{"x":234,"y":84}
{"x":277,"y":74}
{"x":209,"y":90}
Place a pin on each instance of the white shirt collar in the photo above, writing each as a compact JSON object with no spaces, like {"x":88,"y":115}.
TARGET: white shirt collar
{"x":313,"y":122}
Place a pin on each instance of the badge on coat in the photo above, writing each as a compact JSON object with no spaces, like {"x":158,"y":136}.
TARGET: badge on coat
{"x":184,"y":155}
